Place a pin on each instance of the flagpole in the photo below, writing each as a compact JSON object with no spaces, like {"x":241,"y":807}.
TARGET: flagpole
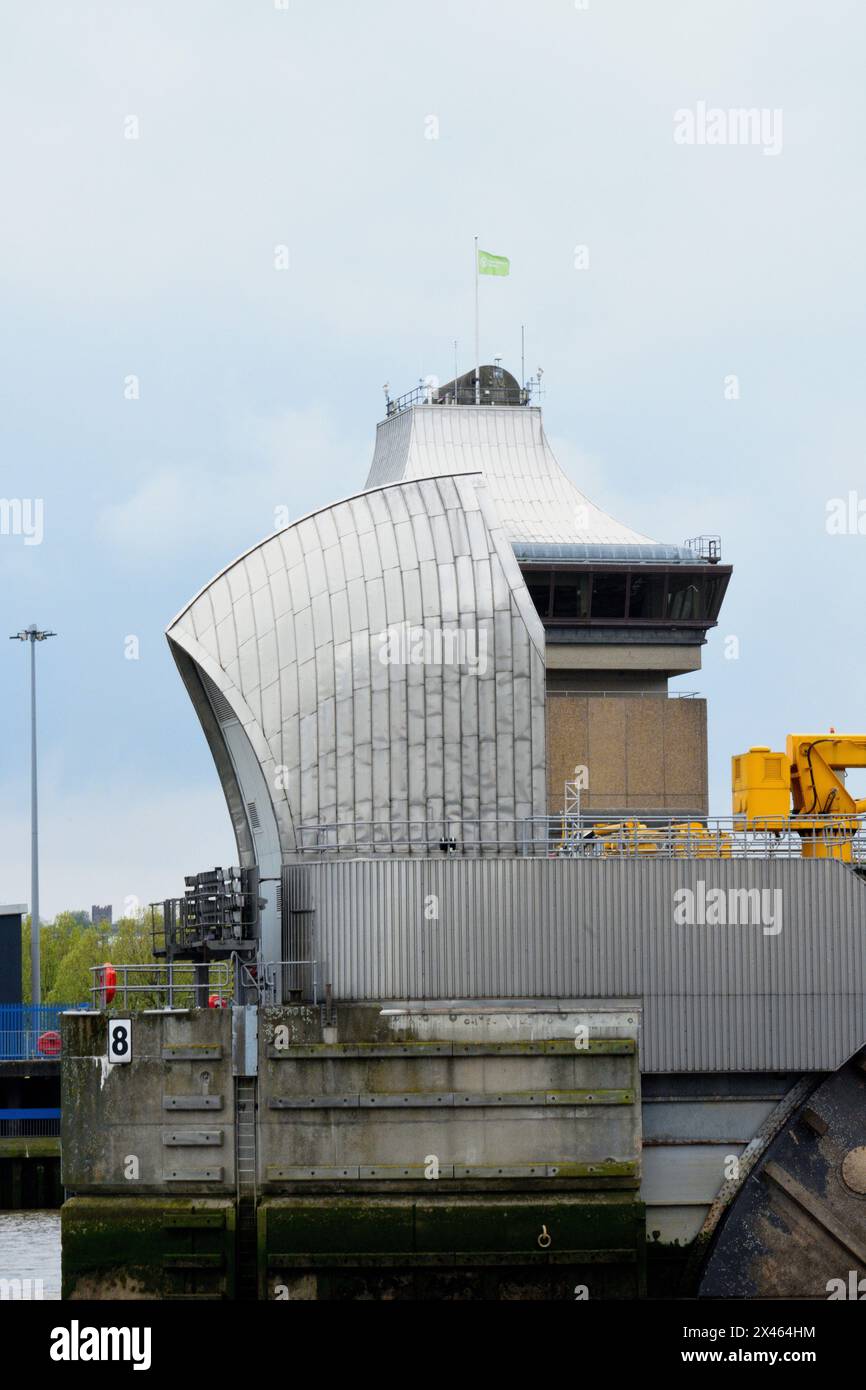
{"x":477,"y":354}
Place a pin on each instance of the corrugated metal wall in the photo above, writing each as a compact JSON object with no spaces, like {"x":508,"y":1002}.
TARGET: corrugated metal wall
{"x":716,"y":998}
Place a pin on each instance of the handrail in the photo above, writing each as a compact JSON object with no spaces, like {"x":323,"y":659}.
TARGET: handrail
{"x":179,"y":984}
{"x":615,"y":694}
{"x":30,"y":1031}
{"x":172,"y":981}
{"x":427,"y":394}
{"x":592,"y":835}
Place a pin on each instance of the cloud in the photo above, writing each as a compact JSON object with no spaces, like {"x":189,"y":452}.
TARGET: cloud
{"x":235,"y":501}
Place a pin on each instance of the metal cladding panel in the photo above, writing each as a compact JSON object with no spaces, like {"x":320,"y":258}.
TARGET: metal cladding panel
{"x":533,"y":497}
{"x":367,"y":675}
{"x":716,"y":997}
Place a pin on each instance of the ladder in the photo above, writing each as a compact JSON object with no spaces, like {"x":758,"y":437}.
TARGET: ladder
{"x":246,"y":1268}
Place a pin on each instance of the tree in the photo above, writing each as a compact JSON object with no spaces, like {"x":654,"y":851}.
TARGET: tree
{"x":70,"y":947}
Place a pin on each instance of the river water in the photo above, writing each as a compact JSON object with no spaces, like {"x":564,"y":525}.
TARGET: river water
{"x":30,"y":1250}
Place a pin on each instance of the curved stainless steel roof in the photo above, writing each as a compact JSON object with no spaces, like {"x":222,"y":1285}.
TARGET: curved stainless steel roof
{"x":535,"y":501}
{"x":314,"y":667}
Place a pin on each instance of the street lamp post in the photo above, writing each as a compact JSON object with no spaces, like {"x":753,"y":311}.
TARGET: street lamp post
{"x":32,"y":634}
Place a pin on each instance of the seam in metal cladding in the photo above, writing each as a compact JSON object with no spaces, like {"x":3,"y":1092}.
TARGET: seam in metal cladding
{"x":715,"y":998}
{"x":290,"y":636}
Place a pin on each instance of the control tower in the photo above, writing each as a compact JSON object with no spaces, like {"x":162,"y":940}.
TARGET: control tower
{"x":622,"y":614}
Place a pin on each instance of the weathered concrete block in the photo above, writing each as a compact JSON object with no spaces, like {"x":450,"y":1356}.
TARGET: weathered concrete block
{"x":515,"y":1091}
{"x":512,"y":1246}
{"x":115,"y":1116}
{"x":146,"y":1247}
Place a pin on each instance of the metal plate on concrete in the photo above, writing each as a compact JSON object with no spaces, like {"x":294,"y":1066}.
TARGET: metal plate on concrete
{"x":324,"y":1173}
{"x":193,"y":1175}
{"x":195,"y":1138}
{"x":203,"y":1052}
{"x":192,"y":1102}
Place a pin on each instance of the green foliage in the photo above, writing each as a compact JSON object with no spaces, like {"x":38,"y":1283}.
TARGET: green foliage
{"x":70,"y":946}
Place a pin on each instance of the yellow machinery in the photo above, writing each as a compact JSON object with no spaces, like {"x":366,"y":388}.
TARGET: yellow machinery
{"x":802,"y":789}
{"x":627,"y":837}
{"x":682,"y":840}
{"x":694,"y":840}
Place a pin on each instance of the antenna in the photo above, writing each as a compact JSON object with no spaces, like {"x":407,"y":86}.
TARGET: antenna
{"x":522,"y":355}
{"x":533,"y":386}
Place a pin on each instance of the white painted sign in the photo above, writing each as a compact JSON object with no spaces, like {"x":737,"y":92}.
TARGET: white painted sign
{"x":120,"y":1040}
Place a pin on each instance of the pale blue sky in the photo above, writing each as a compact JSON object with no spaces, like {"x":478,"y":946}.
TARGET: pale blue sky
{"x":307,"y":127}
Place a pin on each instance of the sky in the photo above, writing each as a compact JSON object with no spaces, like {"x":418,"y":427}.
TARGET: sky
{"x":226,"y":226}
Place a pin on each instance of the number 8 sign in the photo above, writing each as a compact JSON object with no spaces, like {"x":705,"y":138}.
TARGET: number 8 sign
{"x":120,"y":1040}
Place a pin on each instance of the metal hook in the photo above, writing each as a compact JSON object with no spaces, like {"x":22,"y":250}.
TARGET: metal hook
{"x":544,"y":1240}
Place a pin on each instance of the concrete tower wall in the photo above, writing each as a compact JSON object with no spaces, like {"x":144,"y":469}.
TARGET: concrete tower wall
{"x":643,"y":753}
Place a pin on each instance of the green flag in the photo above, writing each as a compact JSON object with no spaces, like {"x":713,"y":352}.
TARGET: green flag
{"x":492,"y":265}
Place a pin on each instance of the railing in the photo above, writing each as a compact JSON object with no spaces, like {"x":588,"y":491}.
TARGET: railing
{"x":627,"y":691}
{"x":29,"y":1124}
{"x":708,"y":547}
{"x":424,"y":836}
{"x":182,"y":985}
{"x":297,"y":980}
{"x":592,"y":836}
{"x":462,"y":395}
{"x":29,"y":1031}
{"x":175,"y":985}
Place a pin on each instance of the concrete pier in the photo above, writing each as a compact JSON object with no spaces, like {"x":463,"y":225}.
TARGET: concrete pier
{"x":410,"y":1150}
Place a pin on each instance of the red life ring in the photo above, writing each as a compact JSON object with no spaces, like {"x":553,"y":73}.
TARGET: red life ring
{"x":48,"y":1043}
{"x":216,"y":1002}
{"x":107,"y":979}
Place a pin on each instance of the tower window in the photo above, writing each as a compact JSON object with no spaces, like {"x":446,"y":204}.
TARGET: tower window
{"x":647,"y":596}
{"x":539,"y":591}
{"x":608,"y":595}
{"x":685,"y":597}
{"x":571,"y":596}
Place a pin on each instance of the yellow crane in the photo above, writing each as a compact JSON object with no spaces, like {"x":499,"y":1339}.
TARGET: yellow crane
{"x":803,"y":789}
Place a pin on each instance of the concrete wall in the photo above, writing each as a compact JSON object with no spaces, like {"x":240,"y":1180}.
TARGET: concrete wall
{"x":474,"y":1151}
{"x":489,"y":1092}
{"x":171,"y":1109}
{"x":643,"y":753}
{"x":486,"y":1090}
{"x":136,"y":1247}
{"x":458,"y":1152}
